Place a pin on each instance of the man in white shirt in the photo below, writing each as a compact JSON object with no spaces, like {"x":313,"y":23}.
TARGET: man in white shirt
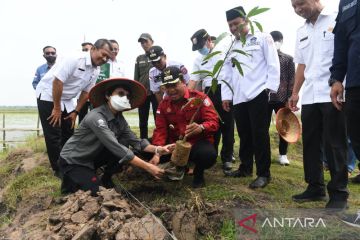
{"x":158,"y":59}
{"x":261,"y":74}
{"x":202,"y":42}
{"x":322,"y":123}
{"x":55,"y":92}
{"x":117,"y":68}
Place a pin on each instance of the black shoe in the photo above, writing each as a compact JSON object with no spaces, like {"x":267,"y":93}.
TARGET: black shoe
{"x":58,"y":174}
{"x":260,"y":182}
{"x":227,"y":166}
{"x":336,"y":205}
{"x":237,"y":173}
{"x":308,"y":196}
{"x":198,"y":182}
{"x":352,"y":219}
{"x":355,"y":179}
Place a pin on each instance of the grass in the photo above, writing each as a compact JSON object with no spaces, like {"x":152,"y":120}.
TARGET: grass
{"x":220,"y":191}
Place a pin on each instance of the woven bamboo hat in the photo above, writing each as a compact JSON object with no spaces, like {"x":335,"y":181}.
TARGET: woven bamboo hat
{"x":288,"y":125}
{"x":136,"y":89}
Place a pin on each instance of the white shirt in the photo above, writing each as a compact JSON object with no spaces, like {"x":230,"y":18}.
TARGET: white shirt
{"x":261,"y":69}
{"x":314,"y":48}
{"x":117,"y":68}
{"x":155,"y":81}
{"x":208,"y":65}
{"x":77,"y":74}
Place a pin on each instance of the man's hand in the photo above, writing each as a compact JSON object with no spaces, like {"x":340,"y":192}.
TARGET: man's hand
{"x":167,"y":149}
{"x":155,"y":160}
{"x":72,"y":116}
{"x":193,"y":129}
{"x":337,"y":95}
{"x":226,"y":105}
{"x":55,"y":117}
{"x":293,"y":100}
{"x":155,"y":171}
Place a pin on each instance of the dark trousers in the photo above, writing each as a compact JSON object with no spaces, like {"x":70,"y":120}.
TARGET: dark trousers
{"x":275,"y":106}
{"x":253,"y":128}
{"x":144,"y":114}
{"x":352,"y":112}
{"x":77,"y":177}
{"x":323,"y":124}
{"x":83,"y":111}
{"x":55,"y":137}
{"x":226,"y":127}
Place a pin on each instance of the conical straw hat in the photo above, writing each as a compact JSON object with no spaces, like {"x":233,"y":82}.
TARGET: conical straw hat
{"x":288,"y":125}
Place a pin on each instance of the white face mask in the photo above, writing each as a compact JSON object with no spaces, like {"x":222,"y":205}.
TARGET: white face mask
{"x":120,"y":103}
{"x":278,"y":45}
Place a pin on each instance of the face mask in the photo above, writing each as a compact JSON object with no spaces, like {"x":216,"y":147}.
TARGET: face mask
{"x":204,"y":51}
{"x":120,"y":103}
{"x":278,"y":45}
{"x":50,"y":59}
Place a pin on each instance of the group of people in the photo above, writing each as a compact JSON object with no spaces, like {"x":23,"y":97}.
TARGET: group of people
{"x":326,"y":51}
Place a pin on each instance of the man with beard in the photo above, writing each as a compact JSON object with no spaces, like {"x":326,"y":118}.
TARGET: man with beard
{"x":50,"y":56}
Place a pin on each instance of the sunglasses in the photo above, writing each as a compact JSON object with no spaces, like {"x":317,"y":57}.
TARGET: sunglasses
{"x":50,"y":53}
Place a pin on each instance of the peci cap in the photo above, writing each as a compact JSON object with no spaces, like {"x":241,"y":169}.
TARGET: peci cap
{"x":277,"y":36}
{"x":154,"y":53}
{"x":235,"y":13}
{"x":198,"y":39}
{"x":171,"y":75}
{"x":145,"y":36}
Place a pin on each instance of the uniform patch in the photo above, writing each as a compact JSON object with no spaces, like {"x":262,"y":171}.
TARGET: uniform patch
{"x":330,"y":29}
{"x":253,"y":40}
{"x":194,"y":41}
{"x":207,"y":102}
{"x":101,"y":123}
{"x":183,"y":70}
{"x":157,"y":111}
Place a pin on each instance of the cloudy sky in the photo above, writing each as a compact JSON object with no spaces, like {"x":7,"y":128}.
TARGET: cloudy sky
{"x":28,"y":26}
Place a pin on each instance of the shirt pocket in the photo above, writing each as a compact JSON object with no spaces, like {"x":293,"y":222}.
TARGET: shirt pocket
{"x":304,"y":47}
{"x":327,"y":43}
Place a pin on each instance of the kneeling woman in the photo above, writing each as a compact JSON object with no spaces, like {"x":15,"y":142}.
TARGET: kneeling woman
{"x":103,"y":139}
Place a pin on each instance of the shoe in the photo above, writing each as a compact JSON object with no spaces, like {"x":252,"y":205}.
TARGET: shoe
{"x":336,"y":205}
{"x":107,"y":182}
{"x":308,"y":196}
{"x":227,"y":166}
{"x":352,"y":219}
{"x":233,"y":159}
{"x":260,"y":182}
{"x":237,"y":173}
{"x":173,"y":172}
{"x":283,"y":160}
{"x":198,"y":182}
{"x":355,"y":179}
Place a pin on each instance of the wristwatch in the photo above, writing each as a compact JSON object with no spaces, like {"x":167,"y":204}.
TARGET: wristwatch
{"x":332,"y":81}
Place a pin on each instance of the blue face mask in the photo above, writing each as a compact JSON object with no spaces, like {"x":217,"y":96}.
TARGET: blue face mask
{"x":204,"y":51}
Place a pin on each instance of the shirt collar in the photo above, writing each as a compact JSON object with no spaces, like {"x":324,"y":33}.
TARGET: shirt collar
{"x":105,"y":109}
{"x":88,"y":59}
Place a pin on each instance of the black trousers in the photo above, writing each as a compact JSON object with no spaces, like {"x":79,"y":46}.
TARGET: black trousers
{"x":253,"y":128}
{"x":144,"y":114}
{"x":324,"y":125}
{"x":275,"y":106}
{"x":226,"y":129}
{"x":83,"y":111}
{"x":55,"y":137}
{"x":352,"y":112}
{"x":77,"y":177}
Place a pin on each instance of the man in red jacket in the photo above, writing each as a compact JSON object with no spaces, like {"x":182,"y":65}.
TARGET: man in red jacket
{"x":173,"y":118}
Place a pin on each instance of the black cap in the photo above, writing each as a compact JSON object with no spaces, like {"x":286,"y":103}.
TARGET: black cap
{"x":199,"y":39}
{"x":171,"y":75}
{"x":145,"y":36}
{"x":154,"y":53}
{"x":213,"y":38}
{"x":235,"y":13}
{"x":277,"y":36}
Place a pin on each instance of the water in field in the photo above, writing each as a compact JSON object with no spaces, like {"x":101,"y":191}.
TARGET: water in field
{"x":29,"y":121}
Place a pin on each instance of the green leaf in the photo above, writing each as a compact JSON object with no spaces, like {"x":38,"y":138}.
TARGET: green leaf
{"x":227,"y":84}
{"x":214,"y":84}
{"x":251,"y":27}
{"x":238,"y":66}
{"x":217,"y":66}
{"x":256,"y":11}
{"x":210,"y":55}
{"x":242,"y":13}
{"x":241,"y":52}
{"x":206,"y":72}
{"x":258,"y":25}
{"x":221,"y":37}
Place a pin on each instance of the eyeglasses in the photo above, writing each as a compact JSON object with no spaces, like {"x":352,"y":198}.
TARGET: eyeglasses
{"x":85,"y":49}
{"x":50,"y":53}
{"x":115,"y":50}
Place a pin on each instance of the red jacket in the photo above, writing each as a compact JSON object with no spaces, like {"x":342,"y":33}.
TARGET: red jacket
{"x":171,"y":119}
